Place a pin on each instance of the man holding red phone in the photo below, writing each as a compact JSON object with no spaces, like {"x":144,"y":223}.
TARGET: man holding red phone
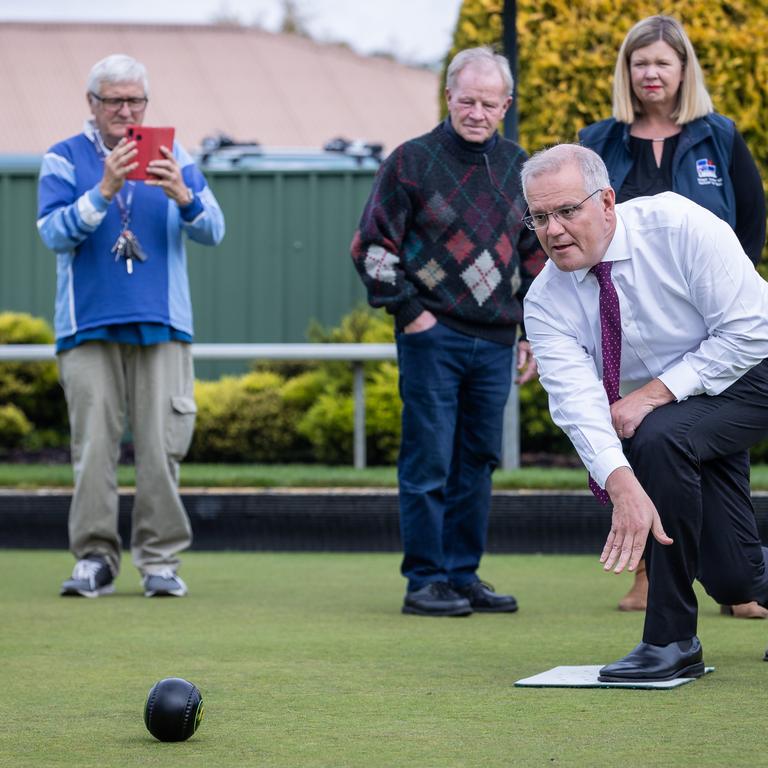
{"x":123,"y":322}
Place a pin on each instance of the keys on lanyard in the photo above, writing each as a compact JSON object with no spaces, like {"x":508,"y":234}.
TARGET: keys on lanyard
{"x":127,"y":247}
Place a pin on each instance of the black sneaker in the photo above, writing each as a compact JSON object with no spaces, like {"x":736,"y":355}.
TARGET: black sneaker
{"x":91,"y":577}
{"x":483,"y":598}
{"x":436,"y":599}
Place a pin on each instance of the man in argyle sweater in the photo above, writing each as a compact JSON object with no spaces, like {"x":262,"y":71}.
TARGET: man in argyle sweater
{"x":442,"y":247}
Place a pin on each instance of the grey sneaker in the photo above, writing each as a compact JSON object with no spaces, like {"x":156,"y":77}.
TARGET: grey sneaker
{"x":91,"y":577}
{"x":164,"y":584}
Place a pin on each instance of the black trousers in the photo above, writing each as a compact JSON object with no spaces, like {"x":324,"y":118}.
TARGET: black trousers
{"x":692,"y":459}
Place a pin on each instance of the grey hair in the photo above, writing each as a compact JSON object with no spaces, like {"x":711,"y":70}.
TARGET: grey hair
{"x":593,"y":170}
{"x":117,"y":68}
{"x":480,"y":55}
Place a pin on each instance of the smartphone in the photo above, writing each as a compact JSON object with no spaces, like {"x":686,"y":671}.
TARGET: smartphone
{"x":148,"y":142}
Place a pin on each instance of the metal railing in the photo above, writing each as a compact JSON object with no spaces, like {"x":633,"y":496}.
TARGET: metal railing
{"x":356,"y":354}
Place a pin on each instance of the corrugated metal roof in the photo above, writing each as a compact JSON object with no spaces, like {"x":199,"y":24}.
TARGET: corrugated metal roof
{"x":248,"y":83}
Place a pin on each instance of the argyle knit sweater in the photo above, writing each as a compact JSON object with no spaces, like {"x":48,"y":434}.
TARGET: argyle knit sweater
{"x":442,"y":231}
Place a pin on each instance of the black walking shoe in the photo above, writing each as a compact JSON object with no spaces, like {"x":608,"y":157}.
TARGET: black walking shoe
{"x":91,"y":577}
{"x":436,"y":599}
{"x":651,"y":663}
{"x":483,"y":598}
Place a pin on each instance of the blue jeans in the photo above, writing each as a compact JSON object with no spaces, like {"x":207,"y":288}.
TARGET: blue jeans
{"x":454,"y":388}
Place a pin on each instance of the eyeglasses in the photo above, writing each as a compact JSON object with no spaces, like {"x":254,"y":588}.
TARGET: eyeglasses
{"x":566,"y":213}
{"x":114,"y":104}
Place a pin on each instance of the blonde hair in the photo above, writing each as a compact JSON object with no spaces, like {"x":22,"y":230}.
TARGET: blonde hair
{"x":693,"y":99}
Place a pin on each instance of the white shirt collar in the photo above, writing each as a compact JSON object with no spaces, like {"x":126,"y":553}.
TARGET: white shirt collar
{"x":92,"y":133}
{"x":617,"y":250}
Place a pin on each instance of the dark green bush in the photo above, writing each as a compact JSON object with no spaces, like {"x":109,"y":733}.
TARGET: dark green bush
{"x":538,"y":433}
{"x":328,"y":426}
{"x":33,"y":388}
{"x":14,"y":427}
{"x":383,"y":410}
{"x":243,"y":419}
{"x":328,"y":419}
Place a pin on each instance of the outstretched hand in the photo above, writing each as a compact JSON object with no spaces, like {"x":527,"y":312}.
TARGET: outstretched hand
{"x":634,"y":515}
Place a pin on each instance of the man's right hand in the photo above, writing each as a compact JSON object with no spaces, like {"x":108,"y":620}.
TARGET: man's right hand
{"x":423,"y":322}
{"x":117,"y":165}
{"x":634,"y":515}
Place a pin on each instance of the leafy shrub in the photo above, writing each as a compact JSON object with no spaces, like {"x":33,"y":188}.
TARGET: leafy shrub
{"x":383,"y":410}
{"x":328,"y":420}
{"x":303,"y":390}
{"x":33,"y":388}
{"x":14,"y":427}
{"x":242,"y":419}
{"x":361,"y":326}
{"x":328,"y":423}
{"x":328,"y":426}
{"x":538,"y":433}
{"x":262,"y":416}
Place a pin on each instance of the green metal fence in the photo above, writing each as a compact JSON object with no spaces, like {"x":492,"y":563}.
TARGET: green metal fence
{"x":283,"y":263}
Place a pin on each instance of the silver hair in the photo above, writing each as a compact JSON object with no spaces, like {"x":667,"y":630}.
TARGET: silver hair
{"x":480,"y":55}
{"x":117,"y":68}
{"x":593,"y":170}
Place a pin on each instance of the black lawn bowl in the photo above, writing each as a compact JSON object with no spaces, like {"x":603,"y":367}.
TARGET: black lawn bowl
{"x":173,"y":710}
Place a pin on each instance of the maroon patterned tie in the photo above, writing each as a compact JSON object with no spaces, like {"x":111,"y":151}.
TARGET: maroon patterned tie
{"x":610,"y":337}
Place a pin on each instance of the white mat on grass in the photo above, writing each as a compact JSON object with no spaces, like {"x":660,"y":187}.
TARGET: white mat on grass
{"x":586,"y":677}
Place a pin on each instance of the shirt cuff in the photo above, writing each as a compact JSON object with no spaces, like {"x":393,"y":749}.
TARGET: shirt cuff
{"x":92,"y":207}
{"x":682,"y":381}
{"x":193,"y":210}
{"x":606,"y":462}
{"x":97,"y":200}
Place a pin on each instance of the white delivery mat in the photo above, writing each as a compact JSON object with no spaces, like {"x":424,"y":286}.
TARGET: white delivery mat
{"x":586,"y":677}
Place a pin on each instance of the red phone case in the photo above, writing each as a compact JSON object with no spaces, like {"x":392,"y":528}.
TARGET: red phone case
{"x":148,"y":142}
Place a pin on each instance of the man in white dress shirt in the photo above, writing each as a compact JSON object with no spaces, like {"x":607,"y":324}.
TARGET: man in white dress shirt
{"x":692,"y":385}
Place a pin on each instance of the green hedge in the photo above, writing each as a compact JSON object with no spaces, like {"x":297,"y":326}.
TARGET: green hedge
{"x":302,"y":412}
{"x":33,"y":412}
{"x":279,"y":413}
{"x":299,"y":412}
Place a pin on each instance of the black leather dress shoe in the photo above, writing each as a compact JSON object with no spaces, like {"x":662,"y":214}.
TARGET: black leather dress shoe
{"x":484,"y":599}
{"x":652,"y":663}
{"x":436,"y":599}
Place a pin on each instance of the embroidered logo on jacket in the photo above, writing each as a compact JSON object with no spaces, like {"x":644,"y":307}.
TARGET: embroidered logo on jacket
{"x":706,"y":171}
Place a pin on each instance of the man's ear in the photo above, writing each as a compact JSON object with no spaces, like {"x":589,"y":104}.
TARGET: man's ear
{"x":608,"y":197}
